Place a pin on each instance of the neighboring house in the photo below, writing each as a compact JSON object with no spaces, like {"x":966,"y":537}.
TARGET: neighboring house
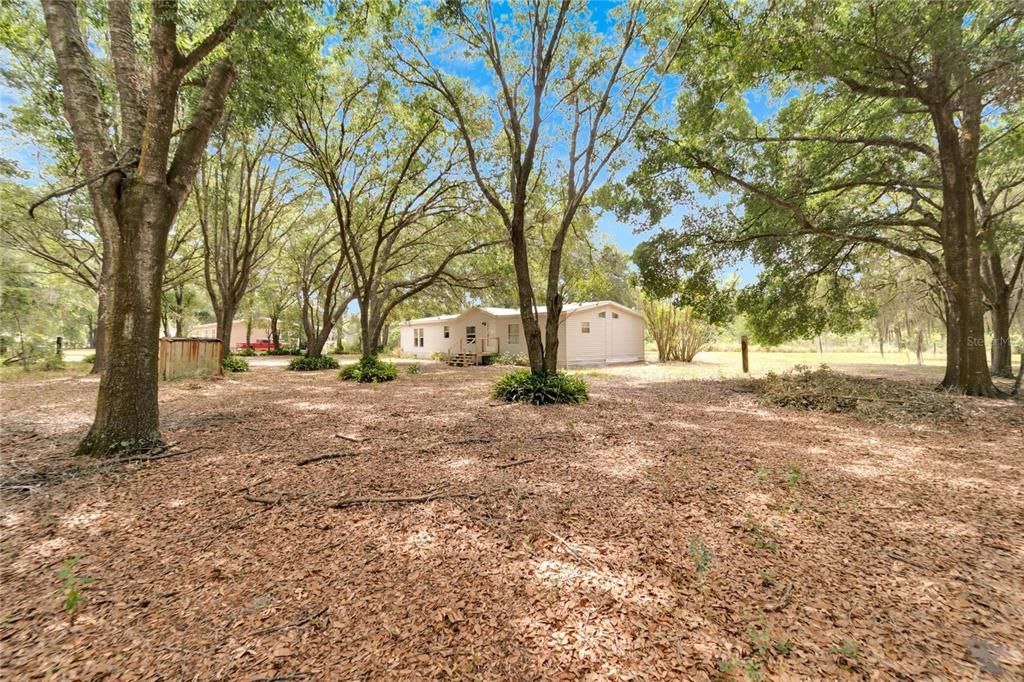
{"x":260,"y":331}
{"x":597,"y":333}
{"x":260,"y":336}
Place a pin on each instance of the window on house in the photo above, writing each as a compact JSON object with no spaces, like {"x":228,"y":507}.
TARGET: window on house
{"x":513,"y":334}
{"x":602,"y":314}
{"x":446,"y":334}
{"x":585,"y":327}
{"x":470,"y":334}
{"x":615,"y":316}
{"x":417,"y":338}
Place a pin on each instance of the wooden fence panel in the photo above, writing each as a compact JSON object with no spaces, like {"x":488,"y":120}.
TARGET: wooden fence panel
{"x":180,"y":358}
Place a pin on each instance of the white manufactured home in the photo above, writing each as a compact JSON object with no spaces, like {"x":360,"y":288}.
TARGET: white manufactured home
{"x":597,"y":333}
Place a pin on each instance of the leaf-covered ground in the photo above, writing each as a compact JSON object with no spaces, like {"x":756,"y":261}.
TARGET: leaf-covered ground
{"x":665,"y":530}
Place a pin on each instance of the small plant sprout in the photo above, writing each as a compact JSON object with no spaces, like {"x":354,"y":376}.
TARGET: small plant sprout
{"x":701,"y":556}
{"x":70,"y":591}
{"x":848,"y":651}
{"x":793,"y":475}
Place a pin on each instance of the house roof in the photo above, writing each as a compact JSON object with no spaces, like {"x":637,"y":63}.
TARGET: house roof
{"x":567,"y":309}
{"x":213,"y":325}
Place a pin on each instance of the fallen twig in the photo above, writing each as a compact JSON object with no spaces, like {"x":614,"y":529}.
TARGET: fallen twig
{"x":22,"y":488}
{"x":569,"y":548}
{"x":425,"y":497}
{"x":911,"y":562}
{"x":248,"y":486}
{"x":468,"y":441}
{"x":353,"y":439}
{"x":787,"y":594}
{"x":296,"y":624}
{"x":321,"y":458}
{"x":515,"y":463}
{"x":264,"y":500}
{"x":161,"y":453}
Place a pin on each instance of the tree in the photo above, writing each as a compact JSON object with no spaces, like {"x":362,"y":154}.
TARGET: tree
{"x":139,"y":178}
{"x":246,"y":202}
{"x":888,"y":107}
{"x":392,"y":178}
{"x":320,"y":274}
{"x":275,"y":298}
{"x":61,"y":236}
{"x":677,"y":332}
{"x":555,"y":82}
{"x":999,"y":198}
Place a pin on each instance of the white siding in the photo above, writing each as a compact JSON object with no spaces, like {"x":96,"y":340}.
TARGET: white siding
{"x":610,"y":340}
{"x":433,"y":339}
{"x":626,"y":337}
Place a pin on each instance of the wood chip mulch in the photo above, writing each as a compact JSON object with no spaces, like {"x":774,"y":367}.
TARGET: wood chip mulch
{"x":310,"y":529}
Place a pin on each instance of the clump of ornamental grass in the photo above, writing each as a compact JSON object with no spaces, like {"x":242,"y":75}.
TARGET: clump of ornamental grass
{"x":557,"y":388}
{"x":307,"y":364}
{"x":234,"y":364}
{"x":370,"y":370}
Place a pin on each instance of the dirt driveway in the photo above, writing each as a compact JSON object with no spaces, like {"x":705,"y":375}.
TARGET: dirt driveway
{"x":665,"y":530}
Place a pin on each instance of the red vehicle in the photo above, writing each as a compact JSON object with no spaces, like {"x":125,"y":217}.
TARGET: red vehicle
{"x":257,"y":344}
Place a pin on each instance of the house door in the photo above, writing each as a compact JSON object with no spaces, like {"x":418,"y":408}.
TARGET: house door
{"x":470,"y":334}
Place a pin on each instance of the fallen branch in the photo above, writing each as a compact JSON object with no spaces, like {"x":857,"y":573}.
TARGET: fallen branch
{"x":321,"y":458}
{"x":787,"y":594}
{"x":426,"y":497}
{"x":296,"y":624}
{"x":514,"y":463}
{"x":353,"y":439}
{"x":264,"y":500}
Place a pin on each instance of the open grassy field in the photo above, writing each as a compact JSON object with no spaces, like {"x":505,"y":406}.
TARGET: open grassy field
{"x":728,"y":365}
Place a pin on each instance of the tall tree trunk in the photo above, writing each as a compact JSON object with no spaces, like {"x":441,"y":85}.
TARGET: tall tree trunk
{"x":952,"y":375}
{"x":1002,"y":352}
{"x":369,"y":327}
{"x":957,"y":146}
{"x":127,"y":412}
{"x":524,"y":286}
{"x":225,"y":314}
{"x":275,"y":334}
{"x":101,"y":315}
{"x":90,"y":333}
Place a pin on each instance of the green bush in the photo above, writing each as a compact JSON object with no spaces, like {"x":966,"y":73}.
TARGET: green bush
{"x":304,"y":364}
{"x":233,"y":364}
{"x":89,"y":359}
{"x":244,"y":353}
{"x":508,"y":359}
{"x":523,"y":386}
{"x":285,"y":351}
{"x":414,"y":369}
{"x":51,"y":362}
{"x":370,"y":371}
{"x":440,"y":356}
